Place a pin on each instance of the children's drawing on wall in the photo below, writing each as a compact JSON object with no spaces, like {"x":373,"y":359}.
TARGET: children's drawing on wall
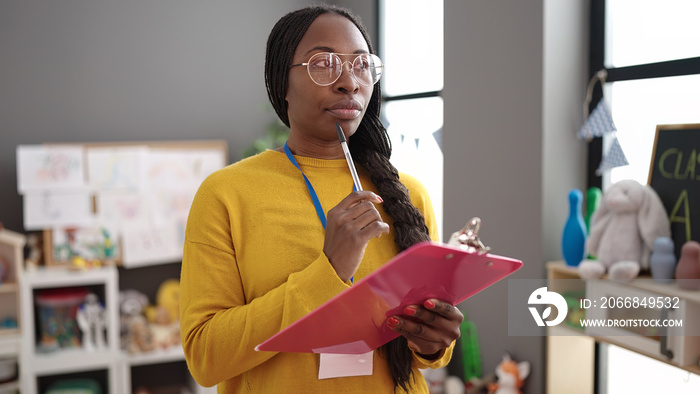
{"x":56,"y":168}
{"x":116,"y":168}
{"x":170,"y":169}
{"x":112,"y":202}
{"x":46,"y":209}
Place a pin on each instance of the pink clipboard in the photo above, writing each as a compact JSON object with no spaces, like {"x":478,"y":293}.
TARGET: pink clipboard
{"x":354,"y":321}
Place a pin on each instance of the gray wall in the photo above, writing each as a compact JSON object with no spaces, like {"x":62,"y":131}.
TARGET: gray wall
{"x":130,"y":70}
{"x":515,"y":78}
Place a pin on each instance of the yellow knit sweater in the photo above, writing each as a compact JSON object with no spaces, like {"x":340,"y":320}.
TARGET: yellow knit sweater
{"x":253,"y":264}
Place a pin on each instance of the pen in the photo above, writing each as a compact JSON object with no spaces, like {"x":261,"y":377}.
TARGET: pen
{"x":348,"y":158}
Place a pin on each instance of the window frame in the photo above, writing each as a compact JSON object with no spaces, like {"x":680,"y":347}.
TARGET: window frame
{"x":386,"y":98}
{"x":671,"y":68}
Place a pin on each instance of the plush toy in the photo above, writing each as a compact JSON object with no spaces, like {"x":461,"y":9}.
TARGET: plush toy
{"x":623,"y":229}
{"x":511,"y":376}
{"x":164,"y":332}
{"x":168,"y":297}
{"x":135,"y":333}
{"x":164,"y":317}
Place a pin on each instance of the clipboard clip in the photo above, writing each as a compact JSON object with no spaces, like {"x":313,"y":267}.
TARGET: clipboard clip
{"x":468,"y":238}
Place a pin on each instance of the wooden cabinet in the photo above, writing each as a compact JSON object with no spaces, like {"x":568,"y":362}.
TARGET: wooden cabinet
{"x":571,"y":351}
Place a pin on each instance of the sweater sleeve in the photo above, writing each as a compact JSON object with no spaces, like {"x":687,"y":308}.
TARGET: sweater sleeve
{"x":219,"y":326}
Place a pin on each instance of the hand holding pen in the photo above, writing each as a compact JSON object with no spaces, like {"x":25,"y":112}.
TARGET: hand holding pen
{"x":352,"y":223}
{"x":350,"y":226}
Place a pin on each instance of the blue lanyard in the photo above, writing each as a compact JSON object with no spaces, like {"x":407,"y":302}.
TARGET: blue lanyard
{"x":312,"y":192}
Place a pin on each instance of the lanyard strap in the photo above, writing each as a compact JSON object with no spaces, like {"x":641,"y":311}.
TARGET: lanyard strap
{"x":312,"y":192}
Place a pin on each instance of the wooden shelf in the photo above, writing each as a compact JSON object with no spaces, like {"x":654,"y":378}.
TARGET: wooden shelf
{"x":558,"y":271}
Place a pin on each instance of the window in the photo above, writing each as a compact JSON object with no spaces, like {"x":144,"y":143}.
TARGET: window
{"x":650,"y":50}
{"x":411,"y":46}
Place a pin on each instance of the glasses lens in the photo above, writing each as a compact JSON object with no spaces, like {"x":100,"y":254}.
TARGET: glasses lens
{"x":325,"y":68}
{"x":367,"y":69}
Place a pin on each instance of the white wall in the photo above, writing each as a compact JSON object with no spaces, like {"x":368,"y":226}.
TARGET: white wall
{"x":514,"y":74}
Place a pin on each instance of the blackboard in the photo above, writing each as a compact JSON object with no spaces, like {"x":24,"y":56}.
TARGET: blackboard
{"x":674,"y":174}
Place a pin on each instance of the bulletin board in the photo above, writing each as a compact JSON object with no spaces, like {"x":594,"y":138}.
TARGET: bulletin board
{"x":674,"y":174}
{"x":116,"y":202}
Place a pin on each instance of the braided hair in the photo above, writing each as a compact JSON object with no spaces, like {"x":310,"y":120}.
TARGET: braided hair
{"x":370,"y":147}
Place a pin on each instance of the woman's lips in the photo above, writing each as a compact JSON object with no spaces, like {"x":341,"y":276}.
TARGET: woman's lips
{"x":347,"y":109}
{"x":345,"y":113}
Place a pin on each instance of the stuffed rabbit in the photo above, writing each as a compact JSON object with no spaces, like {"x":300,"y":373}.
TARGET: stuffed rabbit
{"x":623,"y":229}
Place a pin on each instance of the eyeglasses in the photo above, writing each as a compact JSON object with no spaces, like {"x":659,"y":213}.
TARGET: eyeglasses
{"x":325,"y":68}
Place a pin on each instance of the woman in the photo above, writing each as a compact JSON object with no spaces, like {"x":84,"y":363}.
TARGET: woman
{"x":259,"y":255}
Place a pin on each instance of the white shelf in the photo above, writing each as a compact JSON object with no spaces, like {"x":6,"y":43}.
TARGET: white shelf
{"x":70,"y":360}
{"x":172,"y":354}
{"x":35,"y":363}
{"x":53,"y":277}
{"x":116,"y":363}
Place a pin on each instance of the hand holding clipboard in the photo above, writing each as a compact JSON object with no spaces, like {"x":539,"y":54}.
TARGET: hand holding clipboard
{"x":354,"y":321}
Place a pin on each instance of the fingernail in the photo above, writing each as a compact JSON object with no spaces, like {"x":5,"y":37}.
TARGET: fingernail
{"x":429,"y":304}
{"x":392,"y":322}
{"x":380,"y":199}
{"x":409,"y":311}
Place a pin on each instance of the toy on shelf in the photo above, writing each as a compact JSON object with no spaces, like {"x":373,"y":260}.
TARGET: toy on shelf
{"x":8,"y":323}
{"x":662,"y":262}
{"x":573,"y":239}
{"x":511,"y":376}
{"x":92,"y":321}
{"x":146,"y":327}
{"x":623,"y":229}
{"x":58,"y":310}
{"x":82,"y":248}
{"x":164,"y":317}
{"x":471,"y":354}
{"x":33,"y":256}
{"x":135,"y":333}
{"x":164,"y":332}
{"x":688,"y":268}
{"x":593,"y":197}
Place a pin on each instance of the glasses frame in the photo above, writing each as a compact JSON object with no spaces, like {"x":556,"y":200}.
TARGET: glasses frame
{"x":342,"y":67}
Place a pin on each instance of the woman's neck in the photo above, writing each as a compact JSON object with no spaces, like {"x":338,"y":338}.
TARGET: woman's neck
{"x":317,"y":148}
